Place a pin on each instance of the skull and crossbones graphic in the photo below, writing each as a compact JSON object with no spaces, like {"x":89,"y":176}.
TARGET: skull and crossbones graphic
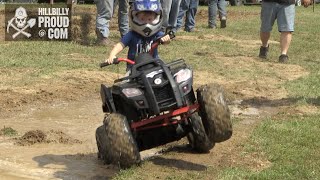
{"x":20,"y":24}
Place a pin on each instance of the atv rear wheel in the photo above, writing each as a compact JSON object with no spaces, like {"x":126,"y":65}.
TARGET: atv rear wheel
{"x":121,"y":146}
{"x":214,"y":112}
{"x":198,"y":137}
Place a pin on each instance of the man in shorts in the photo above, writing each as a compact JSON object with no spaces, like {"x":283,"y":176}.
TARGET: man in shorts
{"x":284,"y":12}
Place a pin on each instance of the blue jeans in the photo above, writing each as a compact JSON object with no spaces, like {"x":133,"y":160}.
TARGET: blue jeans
{"x":188,"y":8}
{"x":213,"y":7}
{"x":170,"y":12}
{"x":123,"y":19}
{"x":104,"y":16}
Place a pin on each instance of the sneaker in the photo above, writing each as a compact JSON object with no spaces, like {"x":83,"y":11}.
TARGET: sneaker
{"x":212,"y":27}
{"x":263,"y":52}
{"x":283,"y":58}
{"x":223,"y":22}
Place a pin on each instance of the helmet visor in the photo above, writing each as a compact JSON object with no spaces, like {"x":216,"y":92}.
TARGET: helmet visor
{"x":145,"y":17}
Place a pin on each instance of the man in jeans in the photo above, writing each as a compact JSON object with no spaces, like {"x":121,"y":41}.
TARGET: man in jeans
{"x":284,"y":12}
{"x":170,"y":13}
{"x":104,"y":15}
{"x":213,"y":7}
{"x":188,"y":8}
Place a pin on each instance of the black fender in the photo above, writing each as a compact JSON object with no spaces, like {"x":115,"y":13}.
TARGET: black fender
{"x":107,"y":99}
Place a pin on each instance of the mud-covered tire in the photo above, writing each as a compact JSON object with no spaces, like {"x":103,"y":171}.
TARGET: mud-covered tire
{"x":102,"y":144}
{"x":198,"y":138}
{"x":214,"y":112}
{"x":121,"y":148}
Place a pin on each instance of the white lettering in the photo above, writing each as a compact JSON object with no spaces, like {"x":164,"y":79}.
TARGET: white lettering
{"x":58,"y":33}
{"x":40,"y":21}
{"x":46,"y":21}
{"x":40,"y":11}
{"x":53,"y":11}
{"x":53,"y":21}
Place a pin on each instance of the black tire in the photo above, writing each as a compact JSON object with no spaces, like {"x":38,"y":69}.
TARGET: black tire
{"x":214,"y":112}
{"x":101,"y":135}
{"x":198,"y":138}
{"x":122,"y":148}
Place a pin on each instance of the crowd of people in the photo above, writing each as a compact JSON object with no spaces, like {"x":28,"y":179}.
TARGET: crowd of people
{"x":142,"y":21}
{"x":175,"y":14}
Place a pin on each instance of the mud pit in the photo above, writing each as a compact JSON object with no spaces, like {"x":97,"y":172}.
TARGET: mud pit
{"x":74,"y":118}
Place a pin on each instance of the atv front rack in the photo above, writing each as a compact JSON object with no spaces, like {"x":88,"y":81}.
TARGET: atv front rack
{"x":165,"y":119}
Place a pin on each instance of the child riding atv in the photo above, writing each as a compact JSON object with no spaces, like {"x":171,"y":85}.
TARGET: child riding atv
{"x":155,"y":103}
{"x":145,"y":23}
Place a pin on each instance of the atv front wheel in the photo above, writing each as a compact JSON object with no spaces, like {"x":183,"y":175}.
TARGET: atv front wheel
{"x":101,"y":144}
{"x":121,"y":146}
{"x":198,"y":137}
{"x":214,"y":112}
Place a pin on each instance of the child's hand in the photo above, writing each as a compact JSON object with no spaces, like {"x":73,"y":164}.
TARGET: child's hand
{"x":165,"y":39}
{"x":110,"y":59}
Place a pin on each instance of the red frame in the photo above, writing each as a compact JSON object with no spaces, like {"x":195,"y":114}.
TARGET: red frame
{"x":183,"y":112}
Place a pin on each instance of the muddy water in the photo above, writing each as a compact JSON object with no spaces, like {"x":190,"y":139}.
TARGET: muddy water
{"x":62,"y":161}
{"x":53,"y":160}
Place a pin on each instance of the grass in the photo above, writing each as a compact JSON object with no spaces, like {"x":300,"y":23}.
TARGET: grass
{"x":8,"y":131}
{"x":290,"y":143}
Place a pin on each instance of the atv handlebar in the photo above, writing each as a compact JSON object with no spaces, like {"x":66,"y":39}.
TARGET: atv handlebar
{"x":153,"y":46}
{"x":116,"y":61}
{"x":158,"y":41}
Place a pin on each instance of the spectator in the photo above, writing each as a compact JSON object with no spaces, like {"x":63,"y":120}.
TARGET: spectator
{"x":146,"y":25}
{"x":213,"y":7}
{"x":284,"y":12}
{"x":188,"y":8}
{"x":104,"y":15}
{"x":170,"y":13}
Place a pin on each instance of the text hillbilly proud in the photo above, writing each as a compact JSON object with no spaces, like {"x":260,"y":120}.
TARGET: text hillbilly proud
{"x":55,"y":20}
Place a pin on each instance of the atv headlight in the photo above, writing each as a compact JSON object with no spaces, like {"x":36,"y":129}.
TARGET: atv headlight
{"x":182,"y":75}
{"x":132,"y":92}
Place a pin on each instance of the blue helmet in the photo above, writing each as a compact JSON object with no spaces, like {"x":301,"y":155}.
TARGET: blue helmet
{"x":146,"y":29}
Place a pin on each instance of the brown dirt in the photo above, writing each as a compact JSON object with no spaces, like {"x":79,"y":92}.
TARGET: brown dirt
{"x":38,"y":136}
{"x":56,"y":124}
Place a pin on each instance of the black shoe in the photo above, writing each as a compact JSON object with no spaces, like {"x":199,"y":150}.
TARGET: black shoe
{"x":189,"y":30}
{"x":283,"y":58}
{"x":223,"y":22}
{"x":263,"y":52}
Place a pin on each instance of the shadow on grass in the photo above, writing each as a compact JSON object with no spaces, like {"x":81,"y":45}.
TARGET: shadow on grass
{"x":178,"y":163}
{"x":262,"y":101}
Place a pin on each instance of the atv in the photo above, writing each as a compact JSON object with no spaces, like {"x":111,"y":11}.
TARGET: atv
{"x":156,"y":105}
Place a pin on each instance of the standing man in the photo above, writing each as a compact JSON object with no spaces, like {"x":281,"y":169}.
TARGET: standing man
{"x":104,"y":15}
{"x":188,"y":8}
{"x":213,"y":7}
{"x":170,"y":13}
{"x":284,"y":12}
